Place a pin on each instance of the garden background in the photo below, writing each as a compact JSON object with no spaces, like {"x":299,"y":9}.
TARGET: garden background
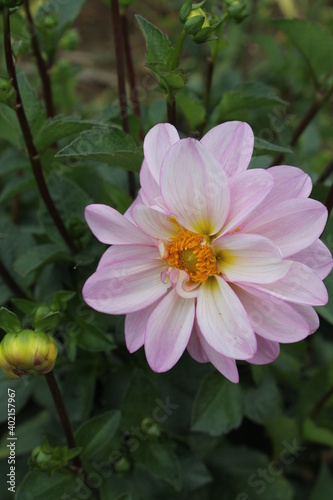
{"x":187,"y":433}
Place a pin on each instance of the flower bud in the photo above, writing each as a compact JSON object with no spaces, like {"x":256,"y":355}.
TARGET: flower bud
{"x":7,"y":92}
{"x":150,"y":427}
{"x":122,"y":466}
{"x":196,"y":20}
{"x":27,"y":353}
{"x":236,"y":9}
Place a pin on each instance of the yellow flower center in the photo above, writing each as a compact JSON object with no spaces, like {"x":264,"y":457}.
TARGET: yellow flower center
{"x":190,"y":252}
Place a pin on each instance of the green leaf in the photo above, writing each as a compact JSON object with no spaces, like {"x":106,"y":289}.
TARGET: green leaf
{"x":218,"y":406}
{"x":251,"y":95}
{"x":26,"y":306}
{"x":49,"y":323}
{"x":28,"y":435}
{"x":60,"y":127}
{"x":324,"y":484}
{"x":241,"y":472}
{"x":17,"y":184}
{"x":9,"y":321}
{"x":313,"y":40}
{"x":192,"y":108}
{"x":9,"y":127}
{"x":140,"y":400}
{"x":160,"y":461}
{"x":170,"y":79}
{"x":38,"y":485}
{"x":262,"y":147}
{"x":106,"y":145}
{"x":32,"y":105}
{"x":315,"y":434}
{"x":93,"y":435}
{"x":282,"y":429}
{"x":39,"y":256}
{"x":159,"y":47}
{"x":23,"y":388}
{"x":92,"y":338}
{"x":263,"y":403}
{"x":194,"y":472}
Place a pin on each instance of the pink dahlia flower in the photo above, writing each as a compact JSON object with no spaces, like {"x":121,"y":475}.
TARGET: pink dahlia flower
{"x":211,"y":257}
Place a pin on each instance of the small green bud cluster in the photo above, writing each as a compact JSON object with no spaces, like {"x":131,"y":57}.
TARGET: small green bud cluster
{"x":7,"y":92}
{"x":49,"y":459}
{"x":196,"y":22}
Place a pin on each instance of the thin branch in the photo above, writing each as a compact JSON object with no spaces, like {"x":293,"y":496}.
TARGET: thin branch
{"x":322,"y":402}
{"x":11,"y":283}
{"x":66,"y":425}
{"x":303,"y":124}
{"x":43,"y":72}
{"x":326,"y":173}
{"x":119,"y":49}
{"x":130,"y":70}
{"x":28,"y":139}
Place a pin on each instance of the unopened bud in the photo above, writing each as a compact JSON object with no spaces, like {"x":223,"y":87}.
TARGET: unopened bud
{"x":27,"y":353}
{"x":236,"y":9}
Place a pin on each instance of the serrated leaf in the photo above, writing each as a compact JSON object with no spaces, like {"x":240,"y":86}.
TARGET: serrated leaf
{"x":93,"y":435}
{"x":49,"y":323}
{"x":39,"y":256}
{"x":262,"y":147}
{"x":9,"y":321}
{"x":60,"y":127}
{"x":106,"y":145}
{"x":38,"y":485}
{"x":314,"y":41}
{"x":32,"y":105}
{"x":9,"y":126}
{"x":159,"y":47}
{"x":218,"y":406}
{"x":251,"y":95}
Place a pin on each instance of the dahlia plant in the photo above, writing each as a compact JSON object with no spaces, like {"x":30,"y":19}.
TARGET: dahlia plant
{"x":211,"y":257}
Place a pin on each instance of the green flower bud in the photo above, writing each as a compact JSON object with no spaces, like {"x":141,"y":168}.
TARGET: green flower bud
{"x":7,"y":92}
{"x":150,"y":427}
{"x":122,"y":465}
{"x":70,"y":40}
{"x":27,"y":353}
{"x":236,"y":9}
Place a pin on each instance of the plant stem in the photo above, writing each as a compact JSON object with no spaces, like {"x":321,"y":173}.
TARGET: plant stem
{"x":119,"y":48}
{"x":171,"y":109}
{"x":306,"y":120}
{"x":66,"y":425}
{"x":10,"y":282}
{"x":326,"y":173}
{"x":321,"y":403}
{"x":28,"y":138}
{"x":43,"y":72}
{"x":329,"y":200}
{"x":130,"y":70}
{"x":178,"y":49}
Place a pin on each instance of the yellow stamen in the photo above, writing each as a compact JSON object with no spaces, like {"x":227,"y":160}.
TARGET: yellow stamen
{"x":190,"y":252}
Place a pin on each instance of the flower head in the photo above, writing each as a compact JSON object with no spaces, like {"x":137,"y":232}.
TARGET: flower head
{"x":211,"y":257}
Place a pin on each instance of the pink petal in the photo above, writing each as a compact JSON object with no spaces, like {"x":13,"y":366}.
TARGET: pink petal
{"x":155,"y":223}
{"x":232,"y":145}
{"x":139,"y":200}
{"x":317,"y":257}
{"x":309,"y":314}
{"x":194,"y":187}
{"x":247,"y":190}
{"x":300,"y":285}
{"x":272,"y":318}
{"x":223,"y":321}
{"x":293,"y":224}
{"x":267,"y":352}
{"x":185,"y":288}
{"x":157,"y":142}
{"x":226,"y":366}
{"x":249,"y":258}
{"x":110,"y":227}
{"x":194,"y":346}
{"x":135,"y":327}
{"x":136,"y":254}
{"x":125,"y":287}
{"x":149,"y":185}
{"x":168,"y":331}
